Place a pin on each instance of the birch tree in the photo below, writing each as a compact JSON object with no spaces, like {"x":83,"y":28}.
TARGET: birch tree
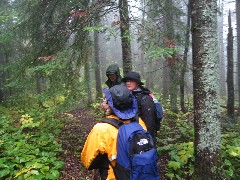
{"x":206,"y":89}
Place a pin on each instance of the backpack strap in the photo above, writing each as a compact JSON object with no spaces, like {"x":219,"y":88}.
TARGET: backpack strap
{"x":139,"y":96}
{"x":116,"y":124}
{"x":135,"y":118}
{"x":114,"y":170}
{"x":113,"y":122}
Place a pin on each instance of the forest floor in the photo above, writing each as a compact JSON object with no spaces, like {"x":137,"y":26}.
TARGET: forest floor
{"x":73,"y":136}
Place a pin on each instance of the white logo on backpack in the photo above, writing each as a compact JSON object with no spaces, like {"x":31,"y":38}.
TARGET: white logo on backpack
{"x":142,"y":142}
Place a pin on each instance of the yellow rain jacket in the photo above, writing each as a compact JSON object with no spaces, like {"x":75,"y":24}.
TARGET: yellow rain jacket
{"x":100,"y":148}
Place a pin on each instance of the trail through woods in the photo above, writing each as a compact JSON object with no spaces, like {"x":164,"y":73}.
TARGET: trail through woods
{"x":73,"y":137}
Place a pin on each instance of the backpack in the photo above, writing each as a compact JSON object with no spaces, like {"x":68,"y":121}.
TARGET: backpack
{"x":137,"y":157}
{"x":159,"y":109}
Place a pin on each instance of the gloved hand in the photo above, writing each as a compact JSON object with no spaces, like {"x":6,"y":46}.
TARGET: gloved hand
{"x":106,"y":108}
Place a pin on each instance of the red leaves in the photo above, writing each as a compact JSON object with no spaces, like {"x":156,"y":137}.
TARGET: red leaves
{"x":79,"y":13}
{"x":122,"y":25}
{"x":47,"y":58}
{"x":114,"y":23}
{"x":170,"y":44}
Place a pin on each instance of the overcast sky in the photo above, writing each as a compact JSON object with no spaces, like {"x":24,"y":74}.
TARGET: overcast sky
{"x":229,"y":6}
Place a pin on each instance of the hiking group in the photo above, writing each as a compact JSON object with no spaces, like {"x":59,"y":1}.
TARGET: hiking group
{"x":123,"y":145}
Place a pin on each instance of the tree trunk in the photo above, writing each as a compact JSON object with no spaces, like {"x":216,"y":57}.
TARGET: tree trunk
{"x":125,"y":36}
{"x":173,"y":64}
{"x":10,"y":91}
{"x":183,"y":70}
{"x":165,"y":82}
{"x":97,"y":62}
{"x":238,"y":49}
{"x":230,"y":84}
{"x":39,"y":79}
{"x":2,"y":78}
{"x":206,"y":89}
{"x":87,"y":80}
{"x":222,"y":69}
{"x":149,"y":78}
{"x":142,"y":64}
{"x":142,"y":55}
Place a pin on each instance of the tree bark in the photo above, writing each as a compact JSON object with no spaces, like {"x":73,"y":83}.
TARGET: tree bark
{"x":173,"y":64}
{"x":206,"y":89}
{"x":142,"y":55}
{"x":149,"y":78}
{"x":87,"y":80}
{"x":165,"y":82}
{"x":2,"y":78}
{"x":125,"y":36}
{"x":97,"y":62}
{"x":222,"y":69}
{"x":238,"y":48}
{"x":230,"y":81}
{"x":183,"y":70}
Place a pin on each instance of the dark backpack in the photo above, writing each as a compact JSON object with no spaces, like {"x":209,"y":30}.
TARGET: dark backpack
{"x":137,"y":156}
{"x":159,"y":109}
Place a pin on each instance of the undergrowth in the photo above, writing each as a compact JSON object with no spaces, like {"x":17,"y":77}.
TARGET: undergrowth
{"x":29,"y":148}
{"x":176,"y":139}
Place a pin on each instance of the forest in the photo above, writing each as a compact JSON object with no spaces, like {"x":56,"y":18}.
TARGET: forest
{"x":53,"y":60}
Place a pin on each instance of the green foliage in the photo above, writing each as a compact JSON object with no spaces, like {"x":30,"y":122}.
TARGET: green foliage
{"x":182,"y":158}
{"x":98,"y":112}
{"x":61,"y":82}
{"x":231,"y":154}
{"x":162,"y":52}
{"x":175,"y":139}
{"x":94,"y":28}
{"x":43,"y":52}
{"x":5,"y":38}
{"x":127,"y":36}
{"x":28,"y":147}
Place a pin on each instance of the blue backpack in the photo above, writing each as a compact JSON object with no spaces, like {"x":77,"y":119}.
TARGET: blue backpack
{"x":137,"y":156}
{"x":159,"y":112}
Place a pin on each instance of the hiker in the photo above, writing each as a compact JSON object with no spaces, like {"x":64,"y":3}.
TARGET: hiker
{"x":146,"y":106}
{"x":100,"y":149}
{"x":113,"y":75}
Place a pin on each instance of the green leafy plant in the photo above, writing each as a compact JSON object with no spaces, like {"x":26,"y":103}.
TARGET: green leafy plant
{"x":28,"y":147}
{"x":27,"y":121}
{"x":230,"y":153}
{"x":175,"y":139}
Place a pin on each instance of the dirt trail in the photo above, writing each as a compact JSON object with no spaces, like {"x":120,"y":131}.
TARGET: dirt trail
{"x":73,"y":137}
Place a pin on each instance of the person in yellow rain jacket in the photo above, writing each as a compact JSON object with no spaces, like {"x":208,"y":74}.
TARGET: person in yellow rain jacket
{"x":100,"y":149}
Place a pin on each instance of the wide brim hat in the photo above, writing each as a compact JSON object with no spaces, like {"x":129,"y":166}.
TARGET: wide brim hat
{"x":121,"y":101}
{"x":134,"y":76}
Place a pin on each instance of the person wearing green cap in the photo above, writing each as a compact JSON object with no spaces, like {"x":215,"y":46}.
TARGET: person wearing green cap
{"x":113,"y":75}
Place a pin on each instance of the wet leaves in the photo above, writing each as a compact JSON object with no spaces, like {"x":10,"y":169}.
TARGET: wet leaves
{"x":73,"y":137}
